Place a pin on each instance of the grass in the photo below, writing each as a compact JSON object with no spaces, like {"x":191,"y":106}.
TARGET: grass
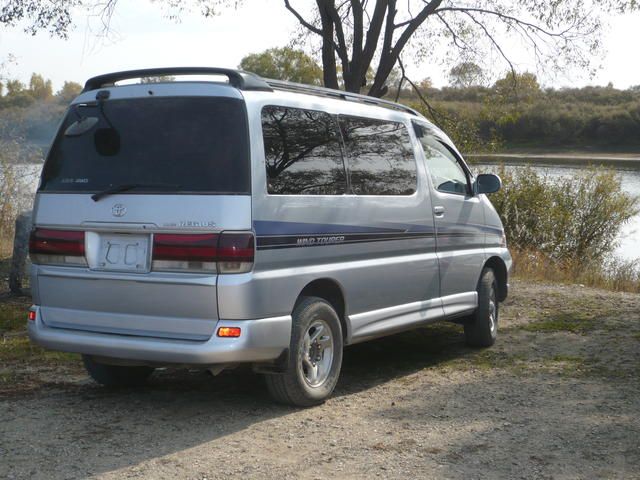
{"x":616,"y":275}
{"x":574,"y":322}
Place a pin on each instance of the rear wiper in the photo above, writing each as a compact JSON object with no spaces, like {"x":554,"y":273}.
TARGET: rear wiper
{"x":130,"y":186}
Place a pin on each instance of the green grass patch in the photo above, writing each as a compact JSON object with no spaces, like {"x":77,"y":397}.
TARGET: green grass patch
{"x":13,"y":315}
{"x":574,"y":322}
{"x":20,"y":349}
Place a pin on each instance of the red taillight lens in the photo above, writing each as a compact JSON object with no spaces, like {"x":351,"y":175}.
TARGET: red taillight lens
{"x":235,"y":252}
{"x":235,"y":247}
{"x":56,"y":242}
{"x":226,"y":252}
{"x":32,"y":315}
{"x":196,"y":248}
{"x":64,"y":247}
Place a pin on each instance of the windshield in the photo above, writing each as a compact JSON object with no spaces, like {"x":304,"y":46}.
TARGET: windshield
{"x":178,"y":144}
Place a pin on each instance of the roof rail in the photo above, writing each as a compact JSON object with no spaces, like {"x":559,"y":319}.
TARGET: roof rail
{"x":339,"y":94}
{"x":244,"y":81}
{"x":237,"y":78}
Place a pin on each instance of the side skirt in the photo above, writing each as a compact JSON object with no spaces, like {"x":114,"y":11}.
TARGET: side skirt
{"x":386,"y":321}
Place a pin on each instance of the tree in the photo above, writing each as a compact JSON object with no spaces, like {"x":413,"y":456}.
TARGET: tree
{"x":360,"y":34}
{"x":518,"y":87}
{"x":52,"y":15}
{"x":69,"y":91}
{"x":466,"y":74}
{"x":14,"y":87}
{"x":357,"y":33}
{"x":284,"y":64}
{"x":39,"y":88}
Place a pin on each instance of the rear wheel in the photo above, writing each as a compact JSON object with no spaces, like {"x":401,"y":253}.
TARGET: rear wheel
{"x":482,"y":328}
{"x":315,"y":356}
{"x":116,"y":375}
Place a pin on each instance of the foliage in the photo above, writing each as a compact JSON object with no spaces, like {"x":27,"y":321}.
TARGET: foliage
{"x":68,"y":92}
{"x":284,"y":64}
{"x":572,"y":221}
{"x":39,"y":88}
{"x":515,"y":88}
{"x":467,"y":74}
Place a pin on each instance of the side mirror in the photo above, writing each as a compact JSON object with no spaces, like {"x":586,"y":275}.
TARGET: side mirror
{"x":487,"y":183}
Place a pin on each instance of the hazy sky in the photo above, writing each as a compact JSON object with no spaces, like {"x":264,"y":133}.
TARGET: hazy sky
{"x":142,"y":37}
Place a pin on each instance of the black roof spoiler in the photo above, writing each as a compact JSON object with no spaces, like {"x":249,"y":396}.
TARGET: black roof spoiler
{"x":237,"y":78}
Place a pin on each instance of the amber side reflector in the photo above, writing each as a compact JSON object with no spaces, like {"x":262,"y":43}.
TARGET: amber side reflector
{"x":32,"y":315}
{"x":232,"y":332}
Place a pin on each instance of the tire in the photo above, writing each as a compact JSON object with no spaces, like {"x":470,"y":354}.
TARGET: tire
{"x":116,"y":375}
{"x":313,"y":366}
{"x":482,"y":328}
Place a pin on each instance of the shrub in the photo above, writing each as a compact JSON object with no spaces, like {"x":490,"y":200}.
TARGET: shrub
{"x":572,"y":221}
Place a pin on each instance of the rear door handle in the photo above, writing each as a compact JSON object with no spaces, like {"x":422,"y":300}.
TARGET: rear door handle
{"x":438,"y":211}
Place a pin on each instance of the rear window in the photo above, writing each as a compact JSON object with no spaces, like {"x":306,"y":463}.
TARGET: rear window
{"x":176,"y":144}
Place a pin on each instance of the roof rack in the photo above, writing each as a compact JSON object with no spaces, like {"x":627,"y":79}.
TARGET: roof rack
{"x":237,"y":78}
{"x":339,"y":94}
{"x":244,"y":81}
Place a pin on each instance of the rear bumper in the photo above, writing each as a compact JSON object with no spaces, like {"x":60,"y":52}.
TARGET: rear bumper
{"x":261,"y":340}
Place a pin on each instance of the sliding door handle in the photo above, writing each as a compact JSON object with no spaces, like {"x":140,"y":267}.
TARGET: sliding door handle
{"x":438,"y":211}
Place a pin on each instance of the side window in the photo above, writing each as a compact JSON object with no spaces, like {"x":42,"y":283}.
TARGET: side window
{"x":302,"y":152}
{"x":446,"y":172}
{"x":381,"y":160}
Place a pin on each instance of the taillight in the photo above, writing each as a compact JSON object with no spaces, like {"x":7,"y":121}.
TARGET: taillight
{"x":190,"y":252}
{"x":235,"y":252}
{"x":57,"y":247}
{"x":225,"y":252}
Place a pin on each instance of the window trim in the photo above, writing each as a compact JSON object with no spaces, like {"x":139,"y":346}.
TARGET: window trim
{"x":347,"y":190}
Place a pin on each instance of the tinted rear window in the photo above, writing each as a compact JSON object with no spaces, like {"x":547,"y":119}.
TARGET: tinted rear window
{"x":181,"y":145}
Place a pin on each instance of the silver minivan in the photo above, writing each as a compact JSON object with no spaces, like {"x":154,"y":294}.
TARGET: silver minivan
{"x":240,"y":220}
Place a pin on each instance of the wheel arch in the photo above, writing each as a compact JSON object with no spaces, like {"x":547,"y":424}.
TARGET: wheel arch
{"x":331,"y":291}
{"x":499,"y":268}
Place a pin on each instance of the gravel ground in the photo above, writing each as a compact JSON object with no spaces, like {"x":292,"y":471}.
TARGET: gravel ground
{"x":557,"y":397}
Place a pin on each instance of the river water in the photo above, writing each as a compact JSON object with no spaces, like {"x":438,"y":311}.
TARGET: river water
{"x":629,"y":240}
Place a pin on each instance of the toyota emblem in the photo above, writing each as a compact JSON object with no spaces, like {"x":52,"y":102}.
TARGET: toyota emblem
{"x":118,"y":210}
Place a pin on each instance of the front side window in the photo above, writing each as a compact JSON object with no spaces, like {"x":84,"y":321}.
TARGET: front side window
{"x":302,"y":152}
{"x":380,"y":156}
{"x":446,"y":172}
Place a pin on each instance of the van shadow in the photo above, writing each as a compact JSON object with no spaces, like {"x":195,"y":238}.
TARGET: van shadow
{"x":92,"y":430}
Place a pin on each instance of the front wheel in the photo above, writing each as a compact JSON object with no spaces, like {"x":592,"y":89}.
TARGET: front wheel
{"x":116,"y":375}
{"x":315,"y":356}
{"x":482,"y":328}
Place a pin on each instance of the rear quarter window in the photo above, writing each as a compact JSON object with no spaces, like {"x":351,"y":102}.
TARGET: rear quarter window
{"x":302,"y":152}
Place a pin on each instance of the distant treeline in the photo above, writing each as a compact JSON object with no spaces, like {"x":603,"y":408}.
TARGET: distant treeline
{"x":514,"y":112}
{"x":30,"y":113}
{"x":525,"y":115}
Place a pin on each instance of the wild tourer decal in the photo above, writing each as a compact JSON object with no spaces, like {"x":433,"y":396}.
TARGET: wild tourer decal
{"x":278,"y":235}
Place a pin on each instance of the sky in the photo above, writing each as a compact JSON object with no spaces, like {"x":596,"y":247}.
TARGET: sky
{"x":142,"y":36}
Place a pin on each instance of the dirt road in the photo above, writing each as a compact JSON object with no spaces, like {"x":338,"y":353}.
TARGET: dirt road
{"x":557,"y":397}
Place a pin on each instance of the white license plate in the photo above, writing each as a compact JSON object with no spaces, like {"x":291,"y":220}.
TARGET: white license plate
{"x":124,"y":253}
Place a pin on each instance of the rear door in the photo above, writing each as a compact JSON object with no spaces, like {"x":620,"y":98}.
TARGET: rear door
{"x":459,"y":223}
{"x":170,"y":167}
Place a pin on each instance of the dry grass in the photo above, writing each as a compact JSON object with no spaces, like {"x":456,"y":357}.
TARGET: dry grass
{"x":613,"y":274}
